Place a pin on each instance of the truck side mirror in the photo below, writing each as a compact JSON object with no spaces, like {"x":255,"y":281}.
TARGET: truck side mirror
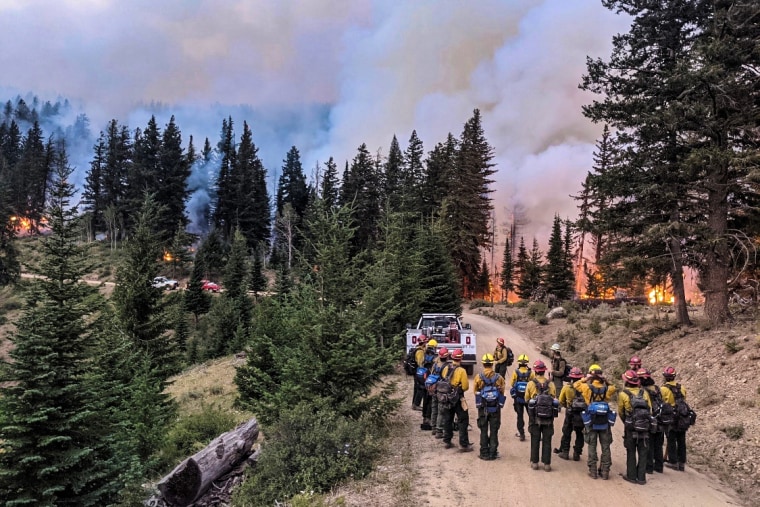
{"x":467,"y":326}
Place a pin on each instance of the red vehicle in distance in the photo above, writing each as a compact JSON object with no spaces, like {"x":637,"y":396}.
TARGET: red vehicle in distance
{"x":210,"y":286}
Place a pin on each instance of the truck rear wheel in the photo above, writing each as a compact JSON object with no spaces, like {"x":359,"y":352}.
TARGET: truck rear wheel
{"x":469,"y":368}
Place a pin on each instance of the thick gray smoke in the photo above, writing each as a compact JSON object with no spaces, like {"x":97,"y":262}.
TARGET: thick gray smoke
{"x":327,"y":75}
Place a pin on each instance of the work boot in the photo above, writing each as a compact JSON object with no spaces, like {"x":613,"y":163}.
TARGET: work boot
{"x":605,"y":474}
{"x":438,"y":434}
{"x":563,"y":455}
{"x":681,"y":467}
{"x":673,"y":466}
{"x":425,"y":426}
{"x":557,"y":450}
{"x":417,"y":408}
{"x":548,"y":467}
{"x":592,"y":473}
{"x":576,"y":456}
{"x":448,"y":445}
{"x":534,"y":466}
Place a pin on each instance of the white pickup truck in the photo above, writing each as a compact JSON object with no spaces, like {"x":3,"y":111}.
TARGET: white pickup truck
{"x":447,"y":329}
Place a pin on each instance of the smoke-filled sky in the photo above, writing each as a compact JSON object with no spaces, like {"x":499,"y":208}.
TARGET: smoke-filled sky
{"x":327,"y":75}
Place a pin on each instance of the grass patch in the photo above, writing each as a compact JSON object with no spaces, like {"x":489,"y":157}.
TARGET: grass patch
{"x":732,"y":347}
{"x":733,"y":432}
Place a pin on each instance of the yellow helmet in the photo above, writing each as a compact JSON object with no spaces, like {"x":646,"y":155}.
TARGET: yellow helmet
{"x":432,"y":343}
{"x":487,"y":358}
{"x":595,"y":368}
{"x":523,"y":359}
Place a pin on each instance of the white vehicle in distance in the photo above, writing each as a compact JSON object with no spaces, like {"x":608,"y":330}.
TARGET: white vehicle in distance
{"x":161,"y":282}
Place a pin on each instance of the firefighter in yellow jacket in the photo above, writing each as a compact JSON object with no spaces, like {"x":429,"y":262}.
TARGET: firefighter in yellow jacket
{"x":520,"y":378}
{"x":489,"y":399}
{"x":595,"y":388}
{"x":635,"y":438}
{"x":676,"y":446}
{"x":458,"y":407}
{"x":540,"y":429}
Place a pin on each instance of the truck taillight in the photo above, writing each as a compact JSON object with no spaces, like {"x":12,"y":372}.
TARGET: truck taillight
{"x":414,"y":339}
{"x":467,"y":340}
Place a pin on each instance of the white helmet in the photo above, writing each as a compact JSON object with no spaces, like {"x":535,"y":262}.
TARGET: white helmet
{"x":555,"y":347}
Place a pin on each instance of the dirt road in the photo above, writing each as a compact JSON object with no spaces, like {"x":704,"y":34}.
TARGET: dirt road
{"x":452,"y":478}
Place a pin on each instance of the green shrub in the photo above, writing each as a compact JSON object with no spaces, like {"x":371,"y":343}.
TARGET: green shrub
{"x":543,"y":320}
{"x":732,"y":347}
{"x":191,"y":434}
{"x":480,"y":303}
{"x":537,"y":310}
{"x":523,"y":303}
{"x":310,"y":449}
{"x":595,"y":326}
{"x":733,"y":432}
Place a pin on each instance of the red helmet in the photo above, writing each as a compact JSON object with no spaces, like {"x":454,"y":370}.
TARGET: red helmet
{"x":443,"y":352}
{"x":575,"y":373}
{"x":539,"y":366}
{"x":643,"y":373}
{"x":500,"y":341}
{"x":423,"y":339}
{"x":457,"y":355}
{"x":630,"y":377}
{"x":635,"y":363}
{"x":669,"y":372}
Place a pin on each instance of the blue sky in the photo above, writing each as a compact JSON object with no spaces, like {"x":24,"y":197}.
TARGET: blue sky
{"x":327,"y":75}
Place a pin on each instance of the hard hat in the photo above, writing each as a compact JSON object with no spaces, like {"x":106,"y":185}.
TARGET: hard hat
{"x":523,"y":359}
{"x":539,"y":366}
{"x":669,"y":372}
{"x":487,"y":358}
{"x":443,"y":352}
{"x":500,"y":341}
{"x":423,"y":339}
{"x":555,"y":347}
{"x":630,"y":377}
{"x":643,"y":373}
{"x":457,"y":355}
{"x":432,"y":343}
{"x":575,"y":373}
{"x":635,"y":363}
{"x":595,"y":368}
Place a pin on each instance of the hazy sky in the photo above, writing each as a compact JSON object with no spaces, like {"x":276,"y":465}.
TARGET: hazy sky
{"x":327,"y":75}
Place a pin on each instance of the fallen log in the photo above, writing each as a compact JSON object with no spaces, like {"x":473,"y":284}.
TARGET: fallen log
{"x":191,"y":478}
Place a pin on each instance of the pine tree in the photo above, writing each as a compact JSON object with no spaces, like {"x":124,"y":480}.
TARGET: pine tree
{"x":556,"y":277}
{"x":507,"y":274}
{"x":259,"y":282}
{"x":224,"y":209}
{"x":330,"y":191}
{"x":10,"y":267}
{"x":172,"y":192}
{"x":196,"y":300}
{"x":55,"y":439}
{"x":395,"y":179}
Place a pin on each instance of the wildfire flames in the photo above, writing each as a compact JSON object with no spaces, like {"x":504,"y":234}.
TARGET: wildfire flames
{"x":168,"y":257}
{"x":657,"y":295}
{"x":23,"y":225}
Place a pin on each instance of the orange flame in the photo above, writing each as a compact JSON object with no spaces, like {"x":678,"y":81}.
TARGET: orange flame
{"x":658,"y":295}
{"x":168,"y":257}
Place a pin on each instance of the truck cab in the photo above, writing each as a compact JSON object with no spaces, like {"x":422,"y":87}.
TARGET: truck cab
{"x":449,"y":331}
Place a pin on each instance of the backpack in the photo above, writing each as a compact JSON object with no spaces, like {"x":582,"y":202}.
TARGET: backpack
{"x":424,"y":368}
{"x":434,"y":376}
{"x":658,"y":410}
{"x":598,"y":416}
{"x":577,"y":407}
{"x":518,"y":390}
{"x":543,"y":406}
{"x":489,"y":396}
{"x":446,"y":393}
{"x":410,"y":363}
{"x":640,"y":418}
{"x":667,"y":413}
{"x":510,"y":357}
{"x":567,"y":370}
{"x":684,"y":415}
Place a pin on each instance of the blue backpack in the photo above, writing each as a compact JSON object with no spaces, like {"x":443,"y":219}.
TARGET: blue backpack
{"x":489,"y":396}
{"x":598,"y":416}
{"x":434,"y":376}
{"x":424,"y":368}
{"x":518,"y":390}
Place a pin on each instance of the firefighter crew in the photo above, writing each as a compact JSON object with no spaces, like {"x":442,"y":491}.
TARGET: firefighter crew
{"x":636,"y":441}
{"x":558,"y":367}
{"x":541,"y":431}
{"x":503,"y":357}
{"x":520,"y":378}
{"x":436,"y":421}
{"x":595,"y":387}
{"x":676,"y":437}
{"x":419,"y":385}
{"x":573,"y":422}
{"x":458,"y":407}
{"x":657,"y":435}
{"x":489,"y":412}
{"x":429,"y":357}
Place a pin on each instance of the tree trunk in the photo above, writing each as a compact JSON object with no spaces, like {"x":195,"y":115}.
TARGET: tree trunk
{"x":190,"y":480}
{"x":679,"y":291}
{"x":717,"y":266}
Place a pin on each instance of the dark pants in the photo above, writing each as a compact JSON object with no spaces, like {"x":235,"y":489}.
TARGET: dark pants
{"x":604,"y":437}
{"x":654,"y":455}
{"x":520,"y":409}
{"x":463,"y":418}
{"x":676,"y":447}
{"x":419,"y":392}
{"x":427,"y":405}
{"x":541,"y":437}
{"x":567,"y":435}
{"x":636,"y":448}
{"x":489,"y":424}
{"x":501,"y":369}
